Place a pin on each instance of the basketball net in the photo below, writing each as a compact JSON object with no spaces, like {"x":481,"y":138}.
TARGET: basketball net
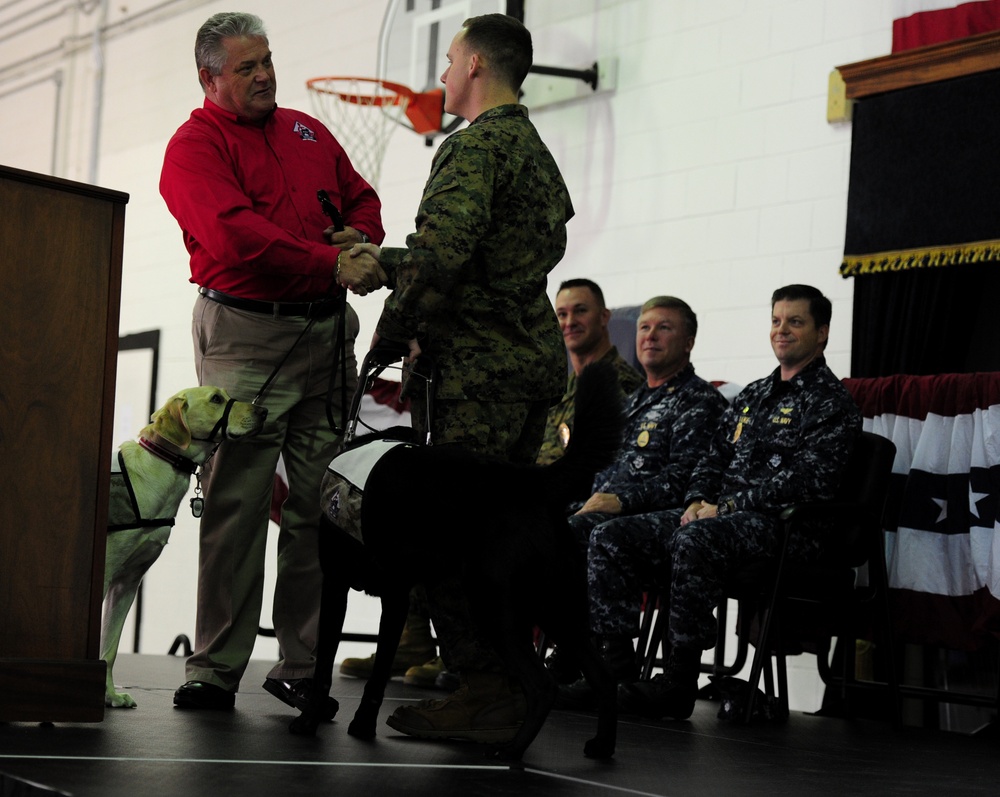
{"x":362,"y":113}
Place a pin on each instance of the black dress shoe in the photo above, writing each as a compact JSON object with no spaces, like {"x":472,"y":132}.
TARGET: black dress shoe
{"x":295,"y":693}
{"x":561,"y":669}
{"x":198,"y":694}
{"x":658,"y":698}
{"x":577,"y":696}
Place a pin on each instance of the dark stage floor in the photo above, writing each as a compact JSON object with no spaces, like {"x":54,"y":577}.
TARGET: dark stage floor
{"x":157,"y":750}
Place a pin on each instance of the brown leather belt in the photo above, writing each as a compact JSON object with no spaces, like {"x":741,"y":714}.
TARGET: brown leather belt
{"x":320,"y":309}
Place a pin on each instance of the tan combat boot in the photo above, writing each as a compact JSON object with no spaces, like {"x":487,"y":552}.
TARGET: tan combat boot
{"x":425,"y":674}
{"x":416,"y":647}
{"x":486,"y":708}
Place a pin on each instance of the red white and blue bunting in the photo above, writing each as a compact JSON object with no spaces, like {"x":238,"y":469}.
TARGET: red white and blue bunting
{"x":943,"y":540}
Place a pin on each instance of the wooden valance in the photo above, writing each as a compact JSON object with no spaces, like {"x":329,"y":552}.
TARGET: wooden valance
{"x":921,"y":65}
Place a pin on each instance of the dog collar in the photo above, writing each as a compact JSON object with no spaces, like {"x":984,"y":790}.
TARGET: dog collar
{"x":180,"y":463}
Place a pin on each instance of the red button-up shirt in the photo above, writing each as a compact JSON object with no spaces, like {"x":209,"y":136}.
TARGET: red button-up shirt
{"x":245,"y":198}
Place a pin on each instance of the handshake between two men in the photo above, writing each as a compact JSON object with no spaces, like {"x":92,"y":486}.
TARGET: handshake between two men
{"x":359,"y":271}
{"x":358,"y":267}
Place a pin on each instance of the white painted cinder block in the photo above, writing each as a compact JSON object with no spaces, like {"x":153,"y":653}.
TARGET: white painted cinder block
{"x":703,"y":90}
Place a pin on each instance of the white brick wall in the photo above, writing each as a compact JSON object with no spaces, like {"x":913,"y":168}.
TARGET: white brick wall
{"x":710,"y":173}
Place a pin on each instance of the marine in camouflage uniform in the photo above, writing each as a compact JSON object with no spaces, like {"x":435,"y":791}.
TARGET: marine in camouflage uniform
{"x":471,"y":286}
{"x":781,"y":442}
{"x":471,"y":283}
{"x":559,"y":423}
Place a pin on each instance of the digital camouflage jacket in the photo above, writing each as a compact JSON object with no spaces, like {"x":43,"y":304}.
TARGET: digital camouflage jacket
{"x":668,"y":430}
{"x":471,"y":282}
{"x":559,"y":423}
{"x":781,"y":442}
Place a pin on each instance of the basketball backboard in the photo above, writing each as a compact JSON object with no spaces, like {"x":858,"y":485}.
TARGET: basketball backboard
{"x":415,"y":36}
{"x":414,"y":41}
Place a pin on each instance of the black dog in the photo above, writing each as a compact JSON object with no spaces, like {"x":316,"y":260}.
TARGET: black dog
{"x":503,"y":527}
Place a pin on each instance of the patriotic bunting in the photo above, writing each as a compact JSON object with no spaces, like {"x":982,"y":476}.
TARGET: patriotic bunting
{"x":943,"y":540}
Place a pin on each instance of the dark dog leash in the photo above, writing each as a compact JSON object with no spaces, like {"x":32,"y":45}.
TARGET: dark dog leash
{"x":177,"y":462}
{"x":340,"y":344}
{"x":198,"y":503}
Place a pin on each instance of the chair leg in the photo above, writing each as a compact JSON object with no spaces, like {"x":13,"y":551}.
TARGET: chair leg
{"x":542,"y":645}
{"x":718,"y":665}
{"x":767,"y":675}
{"x":657,"y":642}
{"x":782,"y":693}
{"x":721,"y":615}
{"x":760,"y":657}
{"x":645,"y":644}
{"x":776,"y":670}
{"x":997,"y":704}
{"x":892,"y":673}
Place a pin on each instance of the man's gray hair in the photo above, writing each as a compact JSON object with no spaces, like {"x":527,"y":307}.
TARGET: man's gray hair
{"x":673,"y":303}
{"x":208,"y":49}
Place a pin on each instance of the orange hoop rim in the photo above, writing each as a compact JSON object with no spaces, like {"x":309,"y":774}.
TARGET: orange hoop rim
{"x":368,"y":99}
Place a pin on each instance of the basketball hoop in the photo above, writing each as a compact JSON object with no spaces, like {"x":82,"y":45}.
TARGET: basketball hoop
{"x":363,"y":112}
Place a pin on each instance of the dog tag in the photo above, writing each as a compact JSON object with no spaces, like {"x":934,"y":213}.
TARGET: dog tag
{"x":197,"y":506}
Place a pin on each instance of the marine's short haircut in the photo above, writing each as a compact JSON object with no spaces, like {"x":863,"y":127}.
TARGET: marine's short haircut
{"x":505,"y":44}
{"x":583,"y":282}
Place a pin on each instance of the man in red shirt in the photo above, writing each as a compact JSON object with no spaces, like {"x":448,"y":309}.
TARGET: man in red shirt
{"x":241,"y":177}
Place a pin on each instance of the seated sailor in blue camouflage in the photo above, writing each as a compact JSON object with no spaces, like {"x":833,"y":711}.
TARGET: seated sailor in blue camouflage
{"x":583,"y":319}
{"x":786,"y":439}
{"x":670,"y":420}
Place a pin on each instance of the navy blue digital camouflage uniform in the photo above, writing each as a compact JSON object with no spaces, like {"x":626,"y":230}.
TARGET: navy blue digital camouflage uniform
{"x":781,"y":442}
{"x":668,"y":429}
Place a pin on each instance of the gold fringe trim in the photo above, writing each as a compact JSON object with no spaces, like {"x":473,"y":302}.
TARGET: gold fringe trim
{"x":909,"y":259}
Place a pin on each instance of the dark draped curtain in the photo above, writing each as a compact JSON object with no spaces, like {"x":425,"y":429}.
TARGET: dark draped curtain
{"x":923,"y":229}
{"x":936,"y":321}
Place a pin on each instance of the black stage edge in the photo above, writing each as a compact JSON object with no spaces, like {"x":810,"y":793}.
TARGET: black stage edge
{"x":156,"y":750}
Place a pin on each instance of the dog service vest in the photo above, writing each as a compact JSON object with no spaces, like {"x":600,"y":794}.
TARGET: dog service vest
{"x":343,"y":486}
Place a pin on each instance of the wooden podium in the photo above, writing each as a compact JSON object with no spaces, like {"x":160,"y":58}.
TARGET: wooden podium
{"x":60,"y":272}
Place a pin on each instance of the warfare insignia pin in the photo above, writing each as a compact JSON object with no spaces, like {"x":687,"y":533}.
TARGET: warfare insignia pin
{"x":739,"y":430}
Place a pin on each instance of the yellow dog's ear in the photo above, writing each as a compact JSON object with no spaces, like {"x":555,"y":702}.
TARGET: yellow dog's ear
{"x":169,"y":422}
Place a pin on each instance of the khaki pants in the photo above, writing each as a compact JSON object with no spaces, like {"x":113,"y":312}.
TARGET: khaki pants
{"x":238,"y":350}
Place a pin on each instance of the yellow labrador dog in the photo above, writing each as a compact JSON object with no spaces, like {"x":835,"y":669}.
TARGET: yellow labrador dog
{"x":151,"y":478}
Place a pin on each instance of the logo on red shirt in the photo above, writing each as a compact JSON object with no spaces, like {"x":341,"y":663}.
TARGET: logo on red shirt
{"x":304,"y":132}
